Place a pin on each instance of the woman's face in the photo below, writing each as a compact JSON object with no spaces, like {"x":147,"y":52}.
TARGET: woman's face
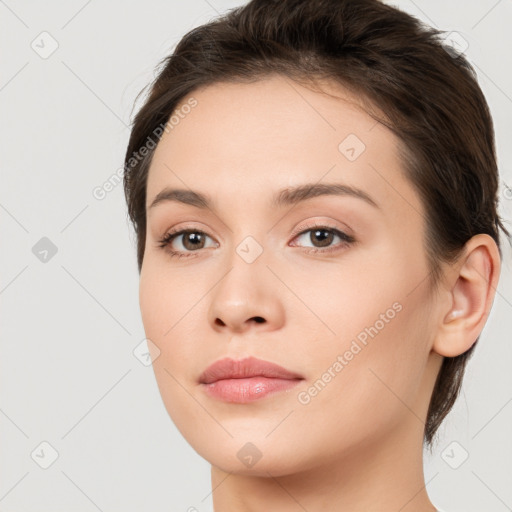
{"x":331,"y":286}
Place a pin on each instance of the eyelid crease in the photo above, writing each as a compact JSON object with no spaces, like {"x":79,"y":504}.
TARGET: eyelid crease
{"x":318,"y":225}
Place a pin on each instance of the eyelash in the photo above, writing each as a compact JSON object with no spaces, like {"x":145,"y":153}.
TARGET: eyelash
{"x":346,"y":240}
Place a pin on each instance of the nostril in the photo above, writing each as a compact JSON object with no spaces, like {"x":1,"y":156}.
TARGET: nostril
{"x":259,"y":319}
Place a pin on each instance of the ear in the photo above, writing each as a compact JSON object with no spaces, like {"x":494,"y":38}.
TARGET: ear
{"x":469,"y":290}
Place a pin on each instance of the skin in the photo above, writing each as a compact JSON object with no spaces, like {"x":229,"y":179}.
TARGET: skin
{"x":357,"y":444}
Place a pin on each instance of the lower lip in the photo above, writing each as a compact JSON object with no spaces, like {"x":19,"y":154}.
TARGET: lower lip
{"x":242,"y":391}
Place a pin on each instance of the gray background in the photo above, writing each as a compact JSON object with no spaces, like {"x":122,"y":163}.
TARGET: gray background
{"x":70,"y":324}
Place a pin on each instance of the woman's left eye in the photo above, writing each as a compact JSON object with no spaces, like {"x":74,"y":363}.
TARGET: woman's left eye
{"x":323,"y":236}
{"x":192,"y":240}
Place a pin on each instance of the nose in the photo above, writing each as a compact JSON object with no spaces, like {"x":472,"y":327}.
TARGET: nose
{"x":246,"y":298}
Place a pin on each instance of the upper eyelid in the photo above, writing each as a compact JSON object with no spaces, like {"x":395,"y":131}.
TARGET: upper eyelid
{"x":317,"y":225}
{"x":295,"y":232}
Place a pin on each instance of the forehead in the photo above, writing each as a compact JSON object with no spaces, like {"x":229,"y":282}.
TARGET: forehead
{"x":274,"y":133}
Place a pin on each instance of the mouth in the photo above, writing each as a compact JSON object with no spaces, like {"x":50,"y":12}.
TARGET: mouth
{"x":246,"y":380}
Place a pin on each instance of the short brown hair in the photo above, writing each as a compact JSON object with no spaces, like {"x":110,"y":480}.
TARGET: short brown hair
{"x":428,"y":93}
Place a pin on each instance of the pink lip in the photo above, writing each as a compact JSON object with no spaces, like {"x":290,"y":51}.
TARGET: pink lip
{"x":246,"y":380}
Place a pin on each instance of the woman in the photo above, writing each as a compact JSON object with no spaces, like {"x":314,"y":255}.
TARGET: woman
{"x":313,"y":186}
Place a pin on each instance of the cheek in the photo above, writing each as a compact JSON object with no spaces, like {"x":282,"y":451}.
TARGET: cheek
{"x":377,"y":344}
{"x":165,"y":303}
{"x":339,"y":300}
{"x":368,"y":377}
{"x":166,"y":296}
{"x":173,"y":310}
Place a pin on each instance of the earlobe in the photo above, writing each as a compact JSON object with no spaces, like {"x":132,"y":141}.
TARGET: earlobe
{"x":471,"y":290}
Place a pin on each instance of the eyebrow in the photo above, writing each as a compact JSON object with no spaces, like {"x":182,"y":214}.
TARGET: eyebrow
{"x":285,"y":197}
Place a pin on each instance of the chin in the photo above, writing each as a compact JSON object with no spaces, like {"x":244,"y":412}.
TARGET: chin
{"x":251,"y":455}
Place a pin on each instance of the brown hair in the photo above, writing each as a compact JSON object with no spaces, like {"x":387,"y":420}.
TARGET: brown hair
{"x":428,"y":93}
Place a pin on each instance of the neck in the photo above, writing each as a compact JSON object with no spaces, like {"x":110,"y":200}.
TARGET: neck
{"x":383,"y":476}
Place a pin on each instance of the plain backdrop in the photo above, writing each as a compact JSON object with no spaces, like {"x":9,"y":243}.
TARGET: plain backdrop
{"x":82,"y":424}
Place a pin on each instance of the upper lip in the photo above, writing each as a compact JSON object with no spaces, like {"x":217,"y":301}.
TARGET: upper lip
{"x":228,"y":368}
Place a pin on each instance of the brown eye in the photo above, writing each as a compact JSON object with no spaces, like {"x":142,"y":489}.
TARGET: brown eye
{"x":323,"y":236}
{"x":193,"y":240}
{"x":190,"y":241}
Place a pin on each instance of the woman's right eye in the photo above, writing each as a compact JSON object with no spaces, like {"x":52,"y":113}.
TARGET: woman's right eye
{"x":190,"y":240}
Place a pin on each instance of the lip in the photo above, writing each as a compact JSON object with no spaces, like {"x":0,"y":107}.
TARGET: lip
{"x":246,"y":380}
